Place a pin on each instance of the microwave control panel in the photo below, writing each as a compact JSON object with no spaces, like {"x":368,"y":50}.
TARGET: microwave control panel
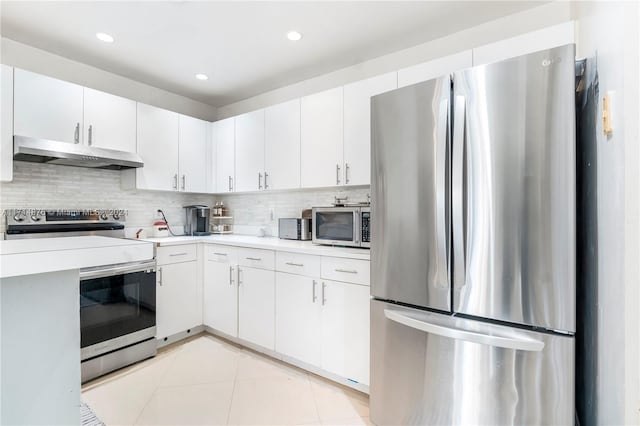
{"x":365,"y":227}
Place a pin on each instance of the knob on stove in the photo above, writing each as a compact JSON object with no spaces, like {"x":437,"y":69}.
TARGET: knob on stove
{"x":116,"y":216}
{"x":35,"y":218}
{"x":19,"y":217}
{"x":104,"y":216}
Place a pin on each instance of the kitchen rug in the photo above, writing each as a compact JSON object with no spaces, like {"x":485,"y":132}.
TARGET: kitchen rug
{"x":87,"y":417}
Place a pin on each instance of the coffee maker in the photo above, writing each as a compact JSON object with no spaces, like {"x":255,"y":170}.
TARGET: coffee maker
{"x":197,"y":222}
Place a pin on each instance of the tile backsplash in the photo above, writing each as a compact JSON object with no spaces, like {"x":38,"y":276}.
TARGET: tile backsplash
{"x":46,"y":186}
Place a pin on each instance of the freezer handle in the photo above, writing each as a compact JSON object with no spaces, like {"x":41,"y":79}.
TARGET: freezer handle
{"x":441,"y":185}
{"x":508,"y":342}
{"x":457,"y":193}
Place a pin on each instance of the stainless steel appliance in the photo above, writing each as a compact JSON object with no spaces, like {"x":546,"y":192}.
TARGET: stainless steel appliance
{"x":291,"y":228}
{"x":341,"y":226}
{"x":117,"y":302}
{"x":197,"y":222}
{"x":473,"y":261}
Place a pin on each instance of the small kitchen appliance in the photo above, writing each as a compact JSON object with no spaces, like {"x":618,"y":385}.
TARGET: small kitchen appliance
{"x":341,"y":226}
{"x":197,"y":222}
{"x":292,"y":228}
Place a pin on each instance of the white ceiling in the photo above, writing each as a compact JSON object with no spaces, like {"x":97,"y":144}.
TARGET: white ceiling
{"x":241,"y":46}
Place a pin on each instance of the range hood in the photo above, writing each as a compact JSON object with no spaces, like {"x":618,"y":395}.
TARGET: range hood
{"x":69,"y":154}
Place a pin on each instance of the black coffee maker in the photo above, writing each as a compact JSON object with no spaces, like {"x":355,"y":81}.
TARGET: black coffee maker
{"x":197,"y":222}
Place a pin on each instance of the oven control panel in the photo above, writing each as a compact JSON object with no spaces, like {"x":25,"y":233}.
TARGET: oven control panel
{"x":60,"y":216}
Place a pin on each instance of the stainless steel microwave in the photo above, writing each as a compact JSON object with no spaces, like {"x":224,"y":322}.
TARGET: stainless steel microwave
{"x":341,"y":226}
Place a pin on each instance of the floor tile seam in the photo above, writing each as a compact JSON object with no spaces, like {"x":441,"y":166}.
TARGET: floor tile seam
{"x":186,"y":385}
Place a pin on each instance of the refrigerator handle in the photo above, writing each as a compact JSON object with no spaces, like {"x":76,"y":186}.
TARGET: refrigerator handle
{"x":457,"y":202}
{"x":441,"y":185}
{"x":501,"y":341}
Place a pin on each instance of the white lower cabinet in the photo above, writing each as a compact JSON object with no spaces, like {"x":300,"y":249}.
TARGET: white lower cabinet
{"x":256,"y":306}
{"x":220,"y":291}
{"x":178,"y":307}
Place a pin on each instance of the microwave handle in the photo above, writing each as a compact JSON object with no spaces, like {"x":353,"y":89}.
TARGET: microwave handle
{"x":357,"y":230}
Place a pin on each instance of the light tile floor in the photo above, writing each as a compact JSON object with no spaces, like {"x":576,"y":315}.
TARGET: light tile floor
{"x":208,"y":381}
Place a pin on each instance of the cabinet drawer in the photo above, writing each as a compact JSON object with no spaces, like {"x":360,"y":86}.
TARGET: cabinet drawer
{"x":175,"y":254}
{"x":345,"y":270}
{"x":222,"y":254}
{"x":295,"y":263}
{"x":256,"y":258}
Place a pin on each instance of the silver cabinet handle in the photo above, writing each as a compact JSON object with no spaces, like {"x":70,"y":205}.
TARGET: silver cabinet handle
{"x":230,"y":275}
{"x":259,"y":180}
{"x":76,"y":134}
{"x":457,"y":193}
{"x":266,"y":175}
{"x":178,"y":254}
{"x":337,"y":174}
{"x":346,"y":172}
{"x":90,"y":135}
{"x":508,"y":342}
{"x":184,"y":180}
{"x":175,"y":181}
{"x":160,"y":277}
{"x":230,"y":184}
{"x":254,"y":258}
{"x":313,"y":292}
{"x":220,"y":254}
{"x":239,"y":276}
{"x":347,"y":271}
{"x":294,"y":264}
{"x":324,"y":300}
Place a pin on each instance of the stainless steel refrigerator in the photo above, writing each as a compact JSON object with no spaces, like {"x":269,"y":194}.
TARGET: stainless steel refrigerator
{"x":473,"y":246}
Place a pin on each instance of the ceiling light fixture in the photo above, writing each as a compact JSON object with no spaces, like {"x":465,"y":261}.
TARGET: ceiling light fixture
{"x":294,"y":36}
{"x":104,"y":37}
{"x":202,"y":77}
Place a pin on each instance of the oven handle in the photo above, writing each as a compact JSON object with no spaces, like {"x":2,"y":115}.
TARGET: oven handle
{"x":111,"y":270}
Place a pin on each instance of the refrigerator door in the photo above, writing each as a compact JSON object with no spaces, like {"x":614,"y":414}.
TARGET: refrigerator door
{"x":514,"y":190}
{"x":410,"y":202}
{"x":432,"y":369}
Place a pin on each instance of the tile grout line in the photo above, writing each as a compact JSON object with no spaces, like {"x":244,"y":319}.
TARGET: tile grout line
{"x":233,"y":390}
{"x":315,"y":402}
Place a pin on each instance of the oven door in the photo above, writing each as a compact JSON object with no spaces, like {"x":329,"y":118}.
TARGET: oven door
{"x":337,"y":226}
{"x":117,"y":307}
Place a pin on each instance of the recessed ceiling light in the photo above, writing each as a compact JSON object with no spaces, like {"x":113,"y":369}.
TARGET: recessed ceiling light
{"x":202,"y":77}
{"x":104,"y":37}
{"x":294,"y":36}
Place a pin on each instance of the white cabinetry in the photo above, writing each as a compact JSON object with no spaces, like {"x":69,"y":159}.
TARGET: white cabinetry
{"x":357,"y":126}
{"x":109,"y":121}
{"x":282,"y":146}
{"x":6,"y":123}
{"x":224,"y":136}
{"x":321,"y":139}
{"x":220,"y":289}
{"x":435,"y":68}
{"x":256,"y":306}
{"x":47,"y":108}
{"x":193,"y":161}
{"x":250,"y":151}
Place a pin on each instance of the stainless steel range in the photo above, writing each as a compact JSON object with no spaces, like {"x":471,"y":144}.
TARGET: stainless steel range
{"x":117,"y":302}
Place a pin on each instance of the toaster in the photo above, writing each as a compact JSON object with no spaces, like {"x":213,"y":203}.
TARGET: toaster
{"x":291,"y":228}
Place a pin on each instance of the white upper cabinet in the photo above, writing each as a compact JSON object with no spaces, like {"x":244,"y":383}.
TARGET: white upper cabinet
{"x":282,"y":146}
{"x":109,"y":121}
{"x":321,"y":143}
{"x":193,"y":141}
{"x":357,"y":126}
{"x":434,"y":69}
{"x":47,"y":108}
{"x":6,"y":123}
{"x":158,"y":137}
{"x":250,"y":151}
{"x":224,"y":140}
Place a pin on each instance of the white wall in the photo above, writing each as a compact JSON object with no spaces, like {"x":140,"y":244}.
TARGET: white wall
{"x":30,"y":58}
{"x":530,"y":20}
{"x":610,"y":31}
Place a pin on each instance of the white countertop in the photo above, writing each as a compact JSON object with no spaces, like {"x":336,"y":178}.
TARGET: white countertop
{"x":269,"y":243}
{"x":40,"y":255}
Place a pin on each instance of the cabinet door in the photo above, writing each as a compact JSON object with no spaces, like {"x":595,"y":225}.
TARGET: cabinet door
{"x":321,"y":133}
{"x":256,"y":306}
{"x":158,"y":133}
{"x":6,"y":123}
{"x":345,"y":330}
{"x":109,"y":121}
{"x":298,"y":317}
{"x":224,"y":136}
{"x":357,"y":126}
{"x":250,"y":151}
{"x":434,"y":69}
{"x":193,"y":158}
{"x":282,"y":145}
{"x":220,"y":297}
{"x":46,"y":108}
{"x":176,"y":299}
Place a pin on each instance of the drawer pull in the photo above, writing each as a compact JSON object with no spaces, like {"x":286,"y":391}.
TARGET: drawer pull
{"x":220,"y":254}
{"x":347,"y":271}
{"x":257,"y":259}
{"x":294,"y":264}
{"x":178,"y":254}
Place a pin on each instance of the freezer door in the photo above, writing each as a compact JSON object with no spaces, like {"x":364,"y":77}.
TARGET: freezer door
{"x":409,"y":195}
{"x":432,"y":369}
{"x":514,"y":190}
